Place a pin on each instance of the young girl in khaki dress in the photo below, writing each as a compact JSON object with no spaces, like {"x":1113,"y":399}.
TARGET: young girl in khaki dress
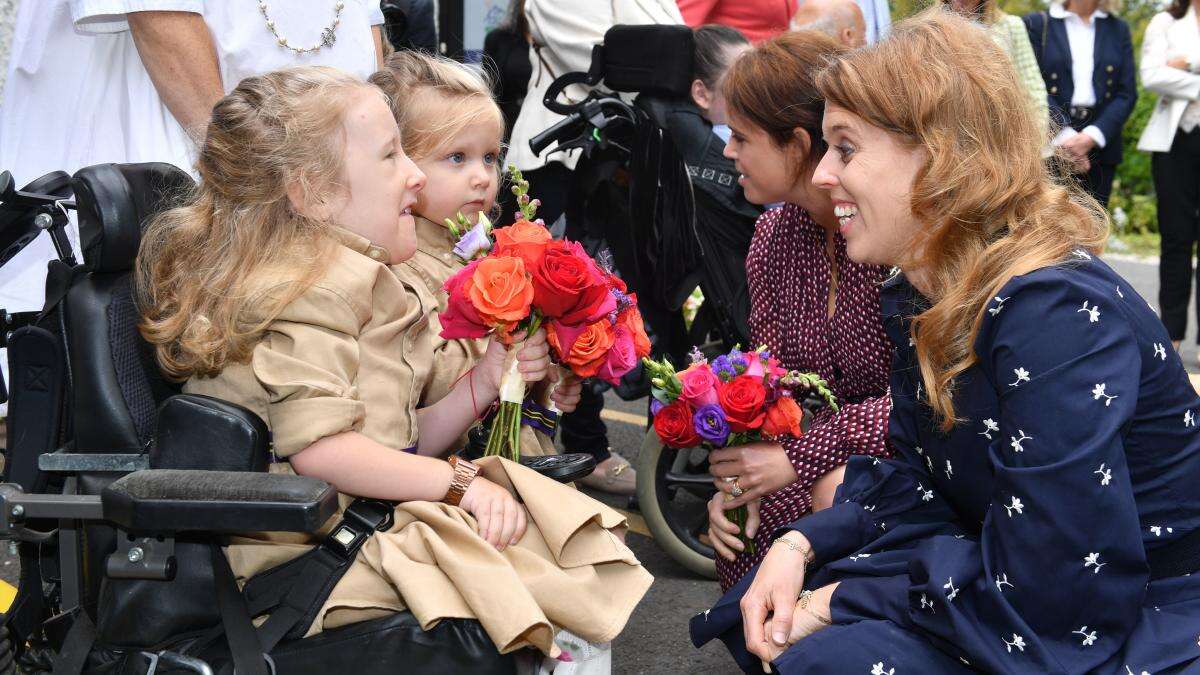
{"x":452,"y":130}
{"x":271,"y":289}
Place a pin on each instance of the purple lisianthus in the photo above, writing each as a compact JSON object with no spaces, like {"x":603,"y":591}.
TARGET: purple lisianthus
{"x":723,"y":369}
{"x":476,"y":241}
{"x":709,"y":422}
{"x":655,"y":406}
{"x":696,"y":356}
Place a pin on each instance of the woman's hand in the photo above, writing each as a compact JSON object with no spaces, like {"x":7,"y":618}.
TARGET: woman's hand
{"x":760,"y":468}
{"x":1179,"y":62}
{"x":500,"y":517}
{"x":814,"y":617}
{"x":533,"y":359}
{"x":723,"y":533}
{"x":770,"y":603}
{"x":567,"y":392}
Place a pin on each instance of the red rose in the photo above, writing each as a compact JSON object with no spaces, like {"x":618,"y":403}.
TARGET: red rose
{"x":743,"y":400}
{"x":783,"y":418}
{"x":461,"y":320}
{"x":569,"y":286}
{"x":674,"y":426}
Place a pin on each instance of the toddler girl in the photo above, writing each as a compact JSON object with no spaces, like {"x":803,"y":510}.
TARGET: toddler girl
{"x":452,"y":128}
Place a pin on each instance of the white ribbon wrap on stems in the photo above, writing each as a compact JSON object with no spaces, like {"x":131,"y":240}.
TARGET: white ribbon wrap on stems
{"x":512,"y":385}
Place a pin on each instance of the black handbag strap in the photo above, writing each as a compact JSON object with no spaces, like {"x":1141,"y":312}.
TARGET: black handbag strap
{"x":1045,"y":31}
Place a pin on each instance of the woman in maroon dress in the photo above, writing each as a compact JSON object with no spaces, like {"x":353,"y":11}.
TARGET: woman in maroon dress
{"x":812,"y":307}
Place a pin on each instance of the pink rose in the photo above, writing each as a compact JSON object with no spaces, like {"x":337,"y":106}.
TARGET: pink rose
{"x":461,"y":320}
{"x":699,"y":385}
{"x":622,"y":357}
{"x":754,"y":365}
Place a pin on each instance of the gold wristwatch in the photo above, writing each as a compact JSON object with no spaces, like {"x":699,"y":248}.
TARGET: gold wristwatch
{"x":464,"y":473}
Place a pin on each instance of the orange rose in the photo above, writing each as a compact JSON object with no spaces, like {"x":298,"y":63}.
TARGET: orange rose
{"x":524,"y":240}
{"x":783,"y":418}
{"x":583,"y":348}
{"x":500,"y":291}
{"x":632,"y":320}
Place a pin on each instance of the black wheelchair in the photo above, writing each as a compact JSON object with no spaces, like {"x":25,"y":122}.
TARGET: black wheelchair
{"x":119,"y":491}
{"x":655,"y":186}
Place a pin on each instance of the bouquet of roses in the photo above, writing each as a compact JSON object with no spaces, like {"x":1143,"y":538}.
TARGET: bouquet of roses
{"x":738,"y":398}
{"x":519,"y":279}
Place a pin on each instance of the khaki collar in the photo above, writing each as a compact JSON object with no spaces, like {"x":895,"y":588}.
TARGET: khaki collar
{"x":434,"y":238}
{"x":360,"y":244}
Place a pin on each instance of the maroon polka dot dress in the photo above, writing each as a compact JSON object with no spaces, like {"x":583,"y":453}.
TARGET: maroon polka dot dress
{"x":789,"y":277}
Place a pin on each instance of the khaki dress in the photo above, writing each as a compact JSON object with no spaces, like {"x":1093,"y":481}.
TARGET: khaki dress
{"x":342,"y":357}
{"x":423,"y":276}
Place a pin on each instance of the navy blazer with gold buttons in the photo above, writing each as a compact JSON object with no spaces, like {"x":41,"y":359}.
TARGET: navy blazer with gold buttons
{"x":1114,"y":76}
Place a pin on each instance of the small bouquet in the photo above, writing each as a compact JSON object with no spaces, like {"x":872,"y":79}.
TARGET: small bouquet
{"x":518,"y":279}
{"x":738,"y":398}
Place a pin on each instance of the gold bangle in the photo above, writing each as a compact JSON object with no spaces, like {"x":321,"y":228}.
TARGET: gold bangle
{"x":809,"y":556}
{"x":802,"y":603}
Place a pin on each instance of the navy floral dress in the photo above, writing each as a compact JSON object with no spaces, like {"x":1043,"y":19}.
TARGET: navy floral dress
{"x":1034,"y":537}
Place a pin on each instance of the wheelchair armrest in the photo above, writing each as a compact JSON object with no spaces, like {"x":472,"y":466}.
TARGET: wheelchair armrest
{"x":167,"y":500}
{"x":202,"y":432}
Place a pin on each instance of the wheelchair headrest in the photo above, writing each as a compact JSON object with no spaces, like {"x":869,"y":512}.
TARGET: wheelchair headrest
{"x":654,"y":59}
{"x":114,"y":202}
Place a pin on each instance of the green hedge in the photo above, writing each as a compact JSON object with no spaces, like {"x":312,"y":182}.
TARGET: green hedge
{"x":1133,"y":202}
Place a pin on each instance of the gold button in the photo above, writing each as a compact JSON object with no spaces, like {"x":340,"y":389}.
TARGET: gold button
{"x":1108,"y":68}
{"x":1109,"y":83}
{"x":1108,"y":95}
{"x":1053,"y":90}
{"x":1054,"y":76}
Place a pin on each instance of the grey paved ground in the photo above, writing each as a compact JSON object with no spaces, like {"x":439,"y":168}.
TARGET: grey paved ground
{"x":655,"y":640}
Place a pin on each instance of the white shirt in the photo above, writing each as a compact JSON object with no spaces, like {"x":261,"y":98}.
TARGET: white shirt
{"x":1081,"y":38}
{"x":77,"y":93}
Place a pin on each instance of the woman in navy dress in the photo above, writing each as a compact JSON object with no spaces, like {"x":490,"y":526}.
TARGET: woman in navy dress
{"x":1040,"y":514}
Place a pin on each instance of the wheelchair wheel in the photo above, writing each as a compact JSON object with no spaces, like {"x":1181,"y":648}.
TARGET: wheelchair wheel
{"x":673,"y":489}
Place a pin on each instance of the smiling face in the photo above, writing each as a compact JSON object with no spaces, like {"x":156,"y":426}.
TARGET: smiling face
{"x":380,"y":183}
{"x":463,"y":171}
{"x":869,"y":174}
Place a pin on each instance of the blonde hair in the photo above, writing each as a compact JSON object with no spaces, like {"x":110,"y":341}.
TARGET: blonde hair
{"x":212,"y":274}
{"x":433,"y":98}
{"x":988,"y":204}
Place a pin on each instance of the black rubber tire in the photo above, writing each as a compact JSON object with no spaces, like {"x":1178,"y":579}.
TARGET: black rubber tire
{"x":647,"y":474}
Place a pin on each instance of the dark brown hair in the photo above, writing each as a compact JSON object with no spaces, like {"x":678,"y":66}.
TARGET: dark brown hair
{"x":1178,"y":8}
{"x":772,"y":87}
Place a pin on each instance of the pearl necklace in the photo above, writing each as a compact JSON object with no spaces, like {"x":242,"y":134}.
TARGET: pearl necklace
{"x":328,"y":36}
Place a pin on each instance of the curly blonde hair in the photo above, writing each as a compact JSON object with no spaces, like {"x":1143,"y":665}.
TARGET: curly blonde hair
{"x":212,"y":274}
{"x":990,"y":207}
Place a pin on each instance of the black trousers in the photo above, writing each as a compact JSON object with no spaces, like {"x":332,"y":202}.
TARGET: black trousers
{"x":582,"y":430}
{"x":1177,"y":183}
